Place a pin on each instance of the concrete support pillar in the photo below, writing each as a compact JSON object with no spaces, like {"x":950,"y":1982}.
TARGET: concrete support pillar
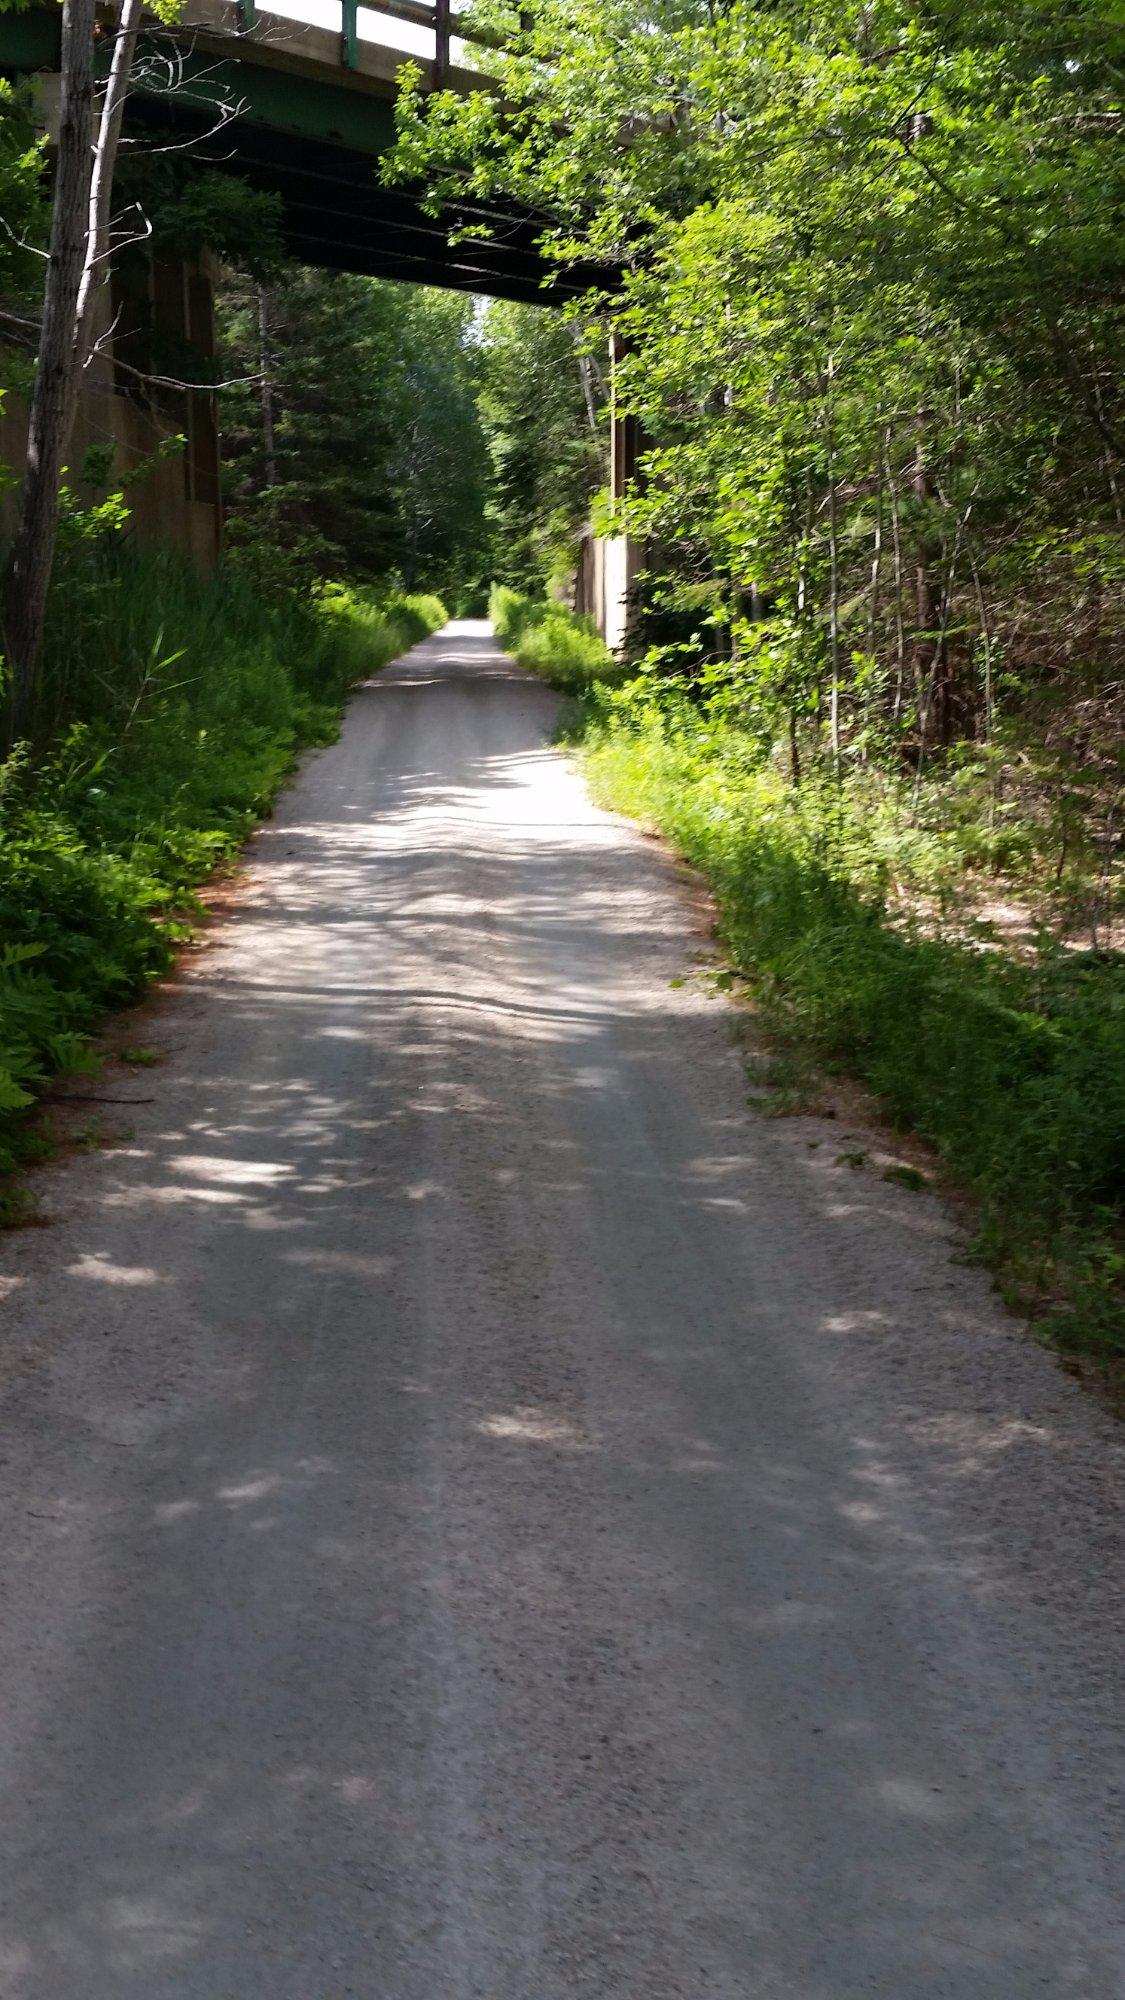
{"x":164,"y":324}
{"x":621,"y":554}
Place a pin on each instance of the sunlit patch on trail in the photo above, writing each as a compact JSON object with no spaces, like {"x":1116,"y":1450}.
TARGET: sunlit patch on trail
{"x":102,"y":1268}
{"x":526,"y":1425}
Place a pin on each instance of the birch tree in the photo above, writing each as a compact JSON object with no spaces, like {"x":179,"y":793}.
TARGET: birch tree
{"x":89,"y":138}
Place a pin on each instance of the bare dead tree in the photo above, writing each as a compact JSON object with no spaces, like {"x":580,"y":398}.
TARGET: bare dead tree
{"x":268,"y":389}
{"x":101,"y":182}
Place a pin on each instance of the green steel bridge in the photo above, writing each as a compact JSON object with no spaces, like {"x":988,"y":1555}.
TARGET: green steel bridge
{"x":315,"y":115}
{"x":305,"y":111}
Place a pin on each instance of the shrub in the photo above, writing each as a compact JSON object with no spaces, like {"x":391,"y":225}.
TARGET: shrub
{"x":563,"y":649}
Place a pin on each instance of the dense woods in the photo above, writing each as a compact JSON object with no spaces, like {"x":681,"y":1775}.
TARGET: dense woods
{"x":356,"y":449}
{"x":872,"y":295}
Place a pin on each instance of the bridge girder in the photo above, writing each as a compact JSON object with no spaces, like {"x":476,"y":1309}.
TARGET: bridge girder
{"x":313,"y":131}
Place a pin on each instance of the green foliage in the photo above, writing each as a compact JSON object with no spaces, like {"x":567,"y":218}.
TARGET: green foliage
{"x":1014,"y":1067}
{"x":871,"y":291}
{"x":546,"y":442}
{"x":377,"y":466}
{"x":177,"y":707}
{"x":511,"y":613}
{"x":440,"y":469}
{"x":192,"y":208}
{"x":21,"y":200}
{"x":872,"y":287}
{"x":566,"y":651}
{"x":368,"y":630}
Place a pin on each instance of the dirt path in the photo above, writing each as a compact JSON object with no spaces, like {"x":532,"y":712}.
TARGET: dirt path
{"x":487,"y":1515}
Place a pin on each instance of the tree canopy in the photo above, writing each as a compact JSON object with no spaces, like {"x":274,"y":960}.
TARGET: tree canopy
{"x":356,"y":448}
{"x":871,"y":282}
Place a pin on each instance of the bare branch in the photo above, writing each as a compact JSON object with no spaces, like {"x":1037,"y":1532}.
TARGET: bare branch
{"x":174,"y":381}
{"x":140,"y":374}
{"x":21,"y":242}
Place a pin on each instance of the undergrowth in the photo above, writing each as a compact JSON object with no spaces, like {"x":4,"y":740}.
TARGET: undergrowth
{"x":566,"y":651}
{"x":1011,"y":1064}
{"x":172,"y":709}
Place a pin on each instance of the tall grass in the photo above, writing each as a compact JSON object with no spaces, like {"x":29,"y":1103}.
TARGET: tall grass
{"x":1011,"y":1064}
{"x":172,"y":709}
{"x":566,"y":651}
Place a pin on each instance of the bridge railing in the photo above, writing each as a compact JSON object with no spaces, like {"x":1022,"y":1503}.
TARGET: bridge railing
{"x":439,"y":17}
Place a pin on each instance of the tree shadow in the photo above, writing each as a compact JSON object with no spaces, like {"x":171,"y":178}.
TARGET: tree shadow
{"x":443,"y":1564}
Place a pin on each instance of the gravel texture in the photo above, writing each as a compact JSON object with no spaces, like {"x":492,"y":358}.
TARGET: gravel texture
{"x":488,"y":1514}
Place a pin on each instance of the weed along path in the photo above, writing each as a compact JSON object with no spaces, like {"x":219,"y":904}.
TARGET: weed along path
{"x":486,"y":1516}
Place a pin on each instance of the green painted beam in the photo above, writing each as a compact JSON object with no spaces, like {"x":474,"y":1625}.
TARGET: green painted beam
{"x":315,"y":140}
{"x":292,"y":102}
{"x":303,"y":106}
{"x":31,"y":40}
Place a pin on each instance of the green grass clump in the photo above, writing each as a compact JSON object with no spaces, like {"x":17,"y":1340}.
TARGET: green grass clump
{"x":563,"y":649}
{"x":509,"y":612}
{"x":172,"y":709}
{"x":370,"y":630}
{"x":1013,"y":1066}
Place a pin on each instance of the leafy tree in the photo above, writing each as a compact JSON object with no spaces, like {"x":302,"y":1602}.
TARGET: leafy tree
{"x":440,"y":469}
{"x":191,"y":208}
{"x":21,"y":199}
{"x":872,"y":283}
{"x":356,"y":450}
{"x":539,"y":404}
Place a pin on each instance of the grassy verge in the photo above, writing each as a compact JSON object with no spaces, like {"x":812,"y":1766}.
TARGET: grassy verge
{"x":1012,"y":1066}
{"x":549,"y":640}
{"x":173,"y":709}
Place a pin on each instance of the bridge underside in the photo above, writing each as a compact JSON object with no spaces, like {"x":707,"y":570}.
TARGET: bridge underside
{"x":337,"y":216}
{"x":313,"y":132}
{"x":314,"y":118}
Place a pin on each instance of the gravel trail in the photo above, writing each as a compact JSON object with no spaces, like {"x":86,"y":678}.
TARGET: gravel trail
{"x":486,"y":1516}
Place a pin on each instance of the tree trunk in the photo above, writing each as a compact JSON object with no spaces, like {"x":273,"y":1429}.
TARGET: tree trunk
{"x":794,"y":751}
{"x":54,"y":397}
{"x":265,"y":363}
{"x":896,"y":540}
{"x":101,"y":181}
{"x":833,"y":574}
{"x":925,"y":611}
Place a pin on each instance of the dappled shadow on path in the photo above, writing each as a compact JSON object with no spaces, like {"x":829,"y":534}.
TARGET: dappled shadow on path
{"x":485,"y":1594}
